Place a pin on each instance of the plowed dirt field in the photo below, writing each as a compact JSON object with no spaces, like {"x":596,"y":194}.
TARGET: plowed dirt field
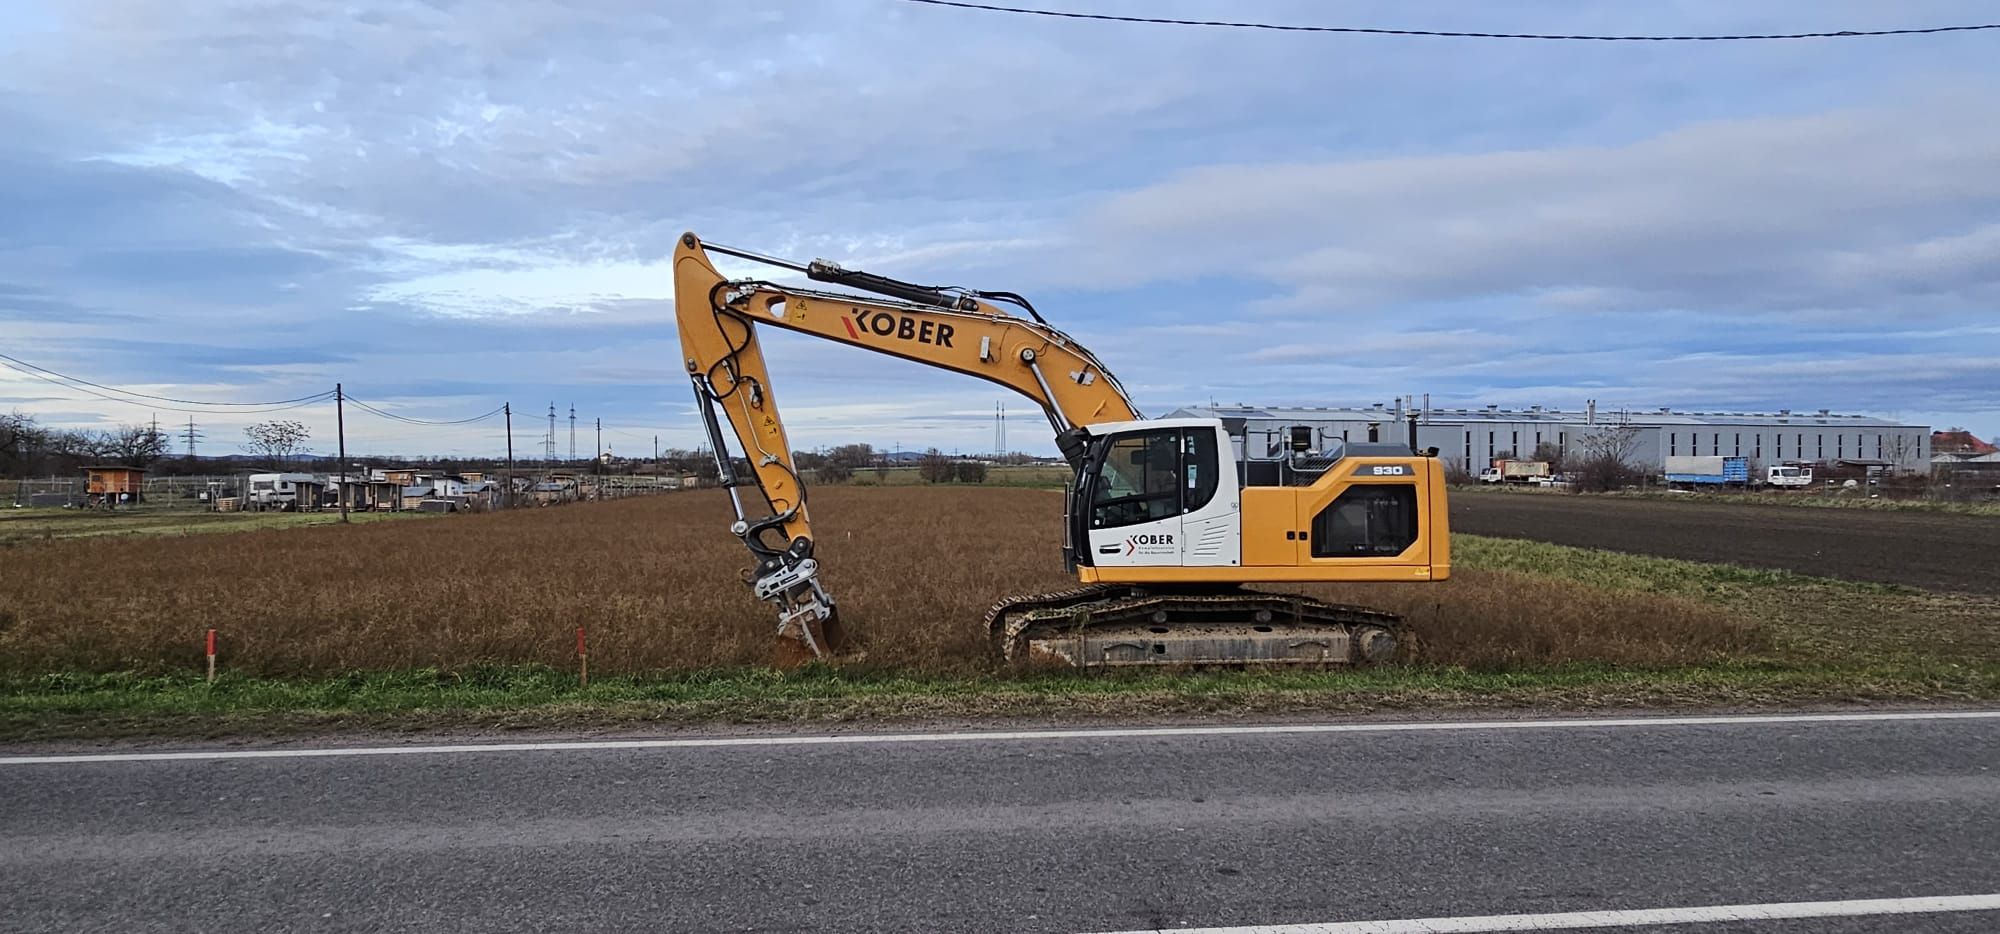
{"x":1933,"y":551}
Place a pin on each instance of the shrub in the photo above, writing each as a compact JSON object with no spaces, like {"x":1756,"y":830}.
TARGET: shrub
{"x":1603,"y":474}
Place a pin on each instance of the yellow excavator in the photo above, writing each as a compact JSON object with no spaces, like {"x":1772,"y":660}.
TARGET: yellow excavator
{"x":1165,"y":520}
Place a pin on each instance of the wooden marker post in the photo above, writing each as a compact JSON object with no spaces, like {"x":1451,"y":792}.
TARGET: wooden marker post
{"x":211,"y":656}
{"x":582,"y":661}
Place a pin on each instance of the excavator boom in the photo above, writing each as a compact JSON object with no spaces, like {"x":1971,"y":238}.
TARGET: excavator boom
{"x":954,"y":330}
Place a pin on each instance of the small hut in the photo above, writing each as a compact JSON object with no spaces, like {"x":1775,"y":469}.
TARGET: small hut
{"x":310,"y":494}
{"x":114,"y":485}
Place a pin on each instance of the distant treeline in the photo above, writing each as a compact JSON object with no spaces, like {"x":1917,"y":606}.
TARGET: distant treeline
{"x":29,"y":449}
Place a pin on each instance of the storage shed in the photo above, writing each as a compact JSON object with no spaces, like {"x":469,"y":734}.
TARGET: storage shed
{"x":113,"y":485}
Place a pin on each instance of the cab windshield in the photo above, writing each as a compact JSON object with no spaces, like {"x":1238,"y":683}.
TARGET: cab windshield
{"x":1151,"y":475}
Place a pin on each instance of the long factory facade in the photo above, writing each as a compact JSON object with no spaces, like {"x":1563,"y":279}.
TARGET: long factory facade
{"x":1475,"y":437}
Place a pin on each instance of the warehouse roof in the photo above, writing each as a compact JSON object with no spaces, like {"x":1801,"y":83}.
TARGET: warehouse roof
{"x":1605,"y":416}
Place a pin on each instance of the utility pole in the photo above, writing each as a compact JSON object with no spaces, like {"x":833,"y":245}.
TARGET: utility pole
{"x":549,"y":443}
{"x":508,"y":407}
{"x":572,"y":432}
{"x":656,"y":450}
{"x":191,"y":434}
{"x":597,"y":456}
{"x":340,"y":429}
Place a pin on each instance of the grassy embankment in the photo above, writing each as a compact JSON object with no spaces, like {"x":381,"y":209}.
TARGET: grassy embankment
{"x":1520,"y":624}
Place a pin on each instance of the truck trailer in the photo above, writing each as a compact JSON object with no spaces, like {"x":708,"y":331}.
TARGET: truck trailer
{"x":1512,"y":471}
{"x":1710,"y":471}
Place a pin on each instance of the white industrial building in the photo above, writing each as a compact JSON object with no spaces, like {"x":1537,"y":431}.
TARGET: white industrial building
{"x":1474,"y":437}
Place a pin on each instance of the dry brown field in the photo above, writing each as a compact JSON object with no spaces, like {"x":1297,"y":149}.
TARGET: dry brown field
{"x":656,"y":582}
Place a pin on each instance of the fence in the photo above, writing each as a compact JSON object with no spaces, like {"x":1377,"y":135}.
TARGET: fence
{"x":199,"y":492}
{"x":161,"y":492}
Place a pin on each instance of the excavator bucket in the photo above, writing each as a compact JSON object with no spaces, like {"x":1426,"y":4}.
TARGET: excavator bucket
{"x":802,"y":643}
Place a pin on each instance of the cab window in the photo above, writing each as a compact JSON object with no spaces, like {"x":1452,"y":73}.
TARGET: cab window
{"x":1199,"y":465}
{"x":1370,"y":519}
{"x":1138,"y":480}
{"x":1147,"y":476}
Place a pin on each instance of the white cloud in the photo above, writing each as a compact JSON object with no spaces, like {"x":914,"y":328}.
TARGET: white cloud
{"x":1839,"y":209}
{"x":551,"y":285}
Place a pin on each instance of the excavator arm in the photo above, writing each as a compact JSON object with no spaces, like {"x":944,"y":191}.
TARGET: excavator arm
{"x":954,"y":329}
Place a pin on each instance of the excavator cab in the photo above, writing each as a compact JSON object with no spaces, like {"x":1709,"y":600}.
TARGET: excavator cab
{"x":1177,"y":501}
{"x":1155,"y":494}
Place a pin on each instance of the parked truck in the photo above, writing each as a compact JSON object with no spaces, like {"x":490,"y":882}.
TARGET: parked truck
{"x":1711,"y":471}
{"x":1786,"y":477}
{"x":1510,"y":471}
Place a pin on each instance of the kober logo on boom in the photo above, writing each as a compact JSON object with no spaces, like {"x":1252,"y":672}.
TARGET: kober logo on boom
{"x":900,"y":327}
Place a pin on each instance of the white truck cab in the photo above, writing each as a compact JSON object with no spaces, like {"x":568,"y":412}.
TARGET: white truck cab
{"x":1788,"y":476}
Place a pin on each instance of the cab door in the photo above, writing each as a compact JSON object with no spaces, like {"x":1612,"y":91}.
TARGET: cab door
{"x":1135,"y":503}
{"x":1211,"y":512}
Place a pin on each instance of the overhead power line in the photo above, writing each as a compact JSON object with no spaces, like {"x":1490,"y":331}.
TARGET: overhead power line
{"x":79,"y":383}
{"x":143,"y":402}
{"x":1366,"y":30}
{"x":425,"y":421}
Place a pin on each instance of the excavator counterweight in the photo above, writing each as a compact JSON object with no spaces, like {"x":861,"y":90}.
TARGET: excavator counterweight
{"x":1166,"y":523}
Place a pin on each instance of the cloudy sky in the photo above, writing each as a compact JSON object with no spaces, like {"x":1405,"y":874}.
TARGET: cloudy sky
{"x":448,"y":206}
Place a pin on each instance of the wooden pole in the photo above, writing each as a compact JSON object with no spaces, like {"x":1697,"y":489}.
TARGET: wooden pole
{"x":582,"y":661}
{"x":508,"y":407}
{"x":340,"y":428}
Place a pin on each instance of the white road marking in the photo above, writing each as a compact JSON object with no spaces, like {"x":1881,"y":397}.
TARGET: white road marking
{"x":975,"y":736}
{"x":1573,"y":920}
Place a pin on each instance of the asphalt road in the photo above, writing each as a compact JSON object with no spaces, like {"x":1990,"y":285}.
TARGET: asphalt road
{"x":1080,"y":833}
{"x":1933,"y":551}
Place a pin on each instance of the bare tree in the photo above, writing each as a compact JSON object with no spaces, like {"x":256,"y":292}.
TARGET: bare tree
{"x":935,"y":467}
{"x":21,"y":443}
{"x":277,"y":440}
{"x":1614,"y":442}
{"x":132,"y":445}
{"x":852,"y":456}
{"x":73,"y":447}
{"x":1900,"y":450}
{"x":1552,"y":454}
{"x":1607,"y":460}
